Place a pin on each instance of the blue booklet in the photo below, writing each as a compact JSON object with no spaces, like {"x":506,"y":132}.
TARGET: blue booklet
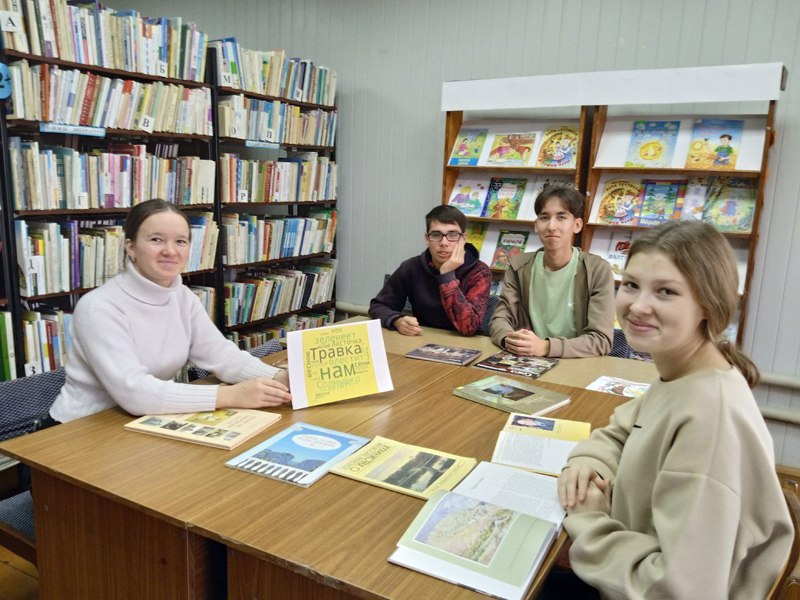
{"x":299,"y":454}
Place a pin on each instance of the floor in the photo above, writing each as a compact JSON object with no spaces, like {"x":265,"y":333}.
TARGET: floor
{"x":19,"y":579}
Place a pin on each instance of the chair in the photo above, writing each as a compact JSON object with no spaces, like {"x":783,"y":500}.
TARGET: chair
{"x":261,"y":351}
{"x":787,"y":586}
{"x":619,"y":346}
{"x":24,"y":404}
{"x":487,"y":316}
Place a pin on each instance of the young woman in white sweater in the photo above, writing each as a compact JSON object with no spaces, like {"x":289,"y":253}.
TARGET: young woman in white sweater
{"x":132,"y":335}
{"x":677,"y":497}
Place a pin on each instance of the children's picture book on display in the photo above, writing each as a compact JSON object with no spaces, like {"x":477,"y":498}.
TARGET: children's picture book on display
{"x":450,"y":355}
{"x":652,"y":143}
{"x":559,"y":148}
{"x":618,"y":246}
{"x":468,"y":147}
{"x":620,"y":203}
{"x":338,"y":362}
{"x":694,"y":199}
{"x":715,"y":144}
{"x":528,"y":366}
{"x":538,"y":443}
{"x":618,"y":386}
{"x":405,"y":468}
{"x":222,"y":428}
{"x":300,"y":454}
{"x":476,"y":233}
{"x":661,"y":201}
{"x":504,"y":197}
{"x":509,"y":245}
{"x":490,"y":534}
{"x":511,"y":149}
{"x":512,"y":395}
{"x":469,"y":194}
{"x":730,"y":204}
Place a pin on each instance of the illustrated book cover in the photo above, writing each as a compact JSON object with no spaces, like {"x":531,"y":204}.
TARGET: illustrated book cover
{"x":511,"y":149}
{"x":468,"y":147}
{"x":404,"y":468}
{"x":300,"y":454}
{"x":490,"y":534}
{"x":476,"y":233}
{"x":538,"y":443}
{"x":619,"y":243}
{"x":715,"y":144}
{"x":652,"y":144}
{"x":222,"y":428}
{"x":511,"y":395}
{"x":730,"y":204}
{"x":450,"y":355}
{"x":694,"y":199}
{"x":559,"y":149}
{"x":469,"y":194}
{"x":620,"y":203}
{"x":504,"y":197}
{"x":528,"y":366}
{"x":338,"y":362}
{"x":509,"y":245}
{"x":618,"y":386}
{"x":661,"y":201}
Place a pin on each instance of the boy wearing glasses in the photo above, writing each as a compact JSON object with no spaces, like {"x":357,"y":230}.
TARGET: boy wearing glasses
{"x":557,"y":301}
{"x":447,"y":285}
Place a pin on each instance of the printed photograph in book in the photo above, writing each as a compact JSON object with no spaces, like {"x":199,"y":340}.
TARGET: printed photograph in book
{"x":476,"y":233}
{"x":559,"y":148}
{"x":528,"y":366}
{"x":620,"y":387}
{"x":511,"y":395}
{"x":444,"y":354}
{"x":652,"y":143}
{"x":620,"y":203}
{"x":504,"y":197}
{"x":715,"y":144}
{"x":467,"y":148}
{"x":730,"y":204}
{"x":469,"y":195}
{"x":509,"y":245}
{"x":661,"y":201}
{"x":512,"y":149}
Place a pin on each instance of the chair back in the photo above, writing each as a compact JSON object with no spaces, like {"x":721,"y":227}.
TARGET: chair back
{"x":787,"y":586}
{"x":487,"y":316}
{"x":25,"y":401}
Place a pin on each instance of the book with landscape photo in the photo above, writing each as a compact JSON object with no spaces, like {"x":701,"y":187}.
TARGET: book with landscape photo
{"x":730,"y":204}
{"x":661,"y":201}
{"x":509,"y":245}
{"x":528,"y":366}
{"x":469,"y":194}
{"x":715,"y":144}
{"x":476,"y":233}
{"x":490,"y":534}
{"x":444,"y":354}
{"x":467,"y":147}
{"x":559,"y":149}
{"x":512,"y":395}
{"x":300,"y":454}
{"x":652,"y":144}
{"x":538,"y":443}
{"x":511,"y":149}
{"x":222,"y":428}
{"x":504,"y":197}
{"x":405,"y":468}
{"x":618,"y":386}
{"x":337,"y":362}
{"x":620,"y":203}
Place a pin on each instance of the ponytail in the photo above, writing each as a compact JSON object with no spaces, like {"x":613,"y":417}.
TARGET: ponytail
{"x":741,"y":361}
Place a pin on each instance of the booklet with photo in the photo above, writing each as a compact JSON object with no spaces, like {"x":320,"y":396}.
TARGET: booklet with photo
{"x":444,"y":354}
{"x":404,"y":468}
{"x":512,"y":395}
{"x":300,"y":454}
{"x":620,"y":387}
{"x":529,"y":366}
{"x":538,"y":443}
{"x":490,"y":534}
{"x":338,"y":362}
{"x":222,"y":428}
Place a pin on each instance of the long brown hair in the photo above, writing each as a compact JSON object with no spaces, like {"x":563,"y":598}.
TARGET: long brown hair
{"x":705,"y":258}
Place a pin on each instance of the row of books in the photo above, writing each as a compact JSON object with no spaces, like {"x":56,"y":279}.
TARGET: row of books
{"x":47,"y":339}
{"x":249,"y":239}
{"x":269,"y":72}
{"x":51,"y":178}
{"x":89,"y":33}
{"x":203,"y":246}
{"x":295,"y":322}
{"x":554,"y":147}
{"x":502,"y":197}
{"x":276,"y":122}
{"x":8,"y":354}
{"x":275,"y":292}
{"x":50,"y":94}
{"x":207,"y":296}
{"x":726,"y":202}
{"x":301,"y":177}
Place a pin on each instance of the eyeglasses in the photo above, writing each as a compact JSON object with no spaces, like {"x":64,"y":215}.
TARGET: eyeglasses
{"x":436,"y":236}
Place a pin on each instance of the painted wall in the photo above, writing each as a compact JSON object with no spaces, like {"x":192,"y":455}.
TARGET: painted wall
{"x":392,"y":58}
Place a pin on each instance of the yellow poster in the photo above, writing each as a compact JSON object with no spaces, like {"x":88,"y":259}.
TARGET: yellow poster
{"x":335,"y":363}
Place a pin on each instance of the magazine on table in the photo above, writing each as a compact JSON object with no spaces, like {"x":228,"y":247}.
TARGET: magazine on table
{"x":512,"y":395}
{"x":529,"y":366}
{"x":444,"y":354}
